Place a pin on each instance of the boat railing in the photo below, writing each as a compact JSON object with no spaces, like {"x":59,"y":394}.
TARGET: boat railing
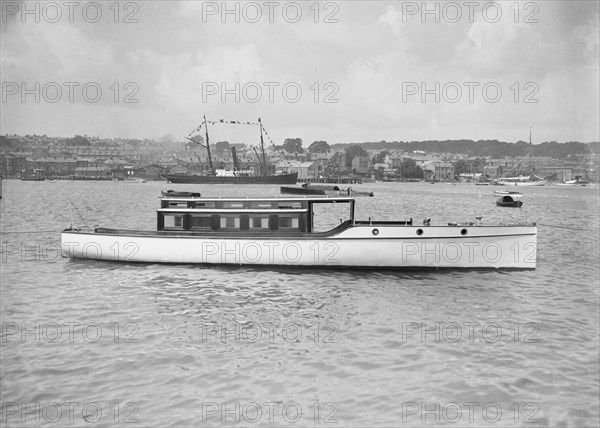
{"x":249,"y":203}
{"x":383,"y":223}
{"x":282,"y":210}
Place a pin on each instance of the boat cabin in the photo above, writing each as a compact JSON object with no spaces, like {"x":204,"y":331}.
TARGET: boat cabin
{"x":251,"y":215}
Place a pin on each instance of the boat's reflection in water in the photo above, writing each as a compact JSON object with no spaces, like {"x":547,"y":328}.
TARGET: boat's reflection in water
{"x":205,"y":299}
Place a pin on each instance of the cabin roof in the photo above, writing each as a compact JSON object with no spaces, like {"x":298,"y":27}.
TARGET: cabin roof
{"x":231,"y":211}
{"x":312,"y":198}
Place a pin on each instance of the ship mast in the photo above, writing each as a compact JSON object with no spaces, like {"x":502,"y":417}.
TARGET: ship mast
{"x":262,"y":146}
{"x":262,"y":168}
{"x":212,"y":169}
{"x":235,"y":159}
{"x":530,"y":143}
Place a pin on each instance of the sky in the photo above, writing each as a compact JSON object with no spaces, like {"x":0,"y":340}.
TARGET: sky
{"x":338,"y":71}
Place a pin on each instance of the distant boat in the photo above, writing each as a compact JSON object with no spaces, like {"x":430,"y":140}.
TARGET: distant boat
{"x":216,"y":176}
{"x":178,"y":194}
{"x":531,"y":180}
{"x":308,"y":189}
{"x":506,"y":192}
{"x":134,"y":180}
{"x":290,"y":178}
{"x":35,"y":176}
{"x":315,"y":189}
{"x":510,"y":201}
{"x":572,"y":183}
{"x":351,"y":192}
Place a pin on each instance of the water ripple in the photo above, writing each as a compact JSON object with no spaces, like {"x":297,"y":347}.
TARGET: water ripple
{"x":171,"y":340}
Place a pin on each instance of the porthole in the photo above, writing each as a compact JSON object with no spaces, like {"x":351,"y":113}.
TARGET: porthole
{"x":419,"y":232}
{"x":375,"y":232}
{"x":463,"y":232}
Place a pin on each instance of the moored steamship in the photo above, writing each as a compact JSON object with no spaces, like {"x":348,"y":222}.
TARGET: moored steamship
{"x":265,"y":175}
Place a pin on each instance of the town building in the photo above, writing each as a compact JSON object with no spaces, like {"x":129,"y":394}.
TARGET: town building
{"x":361,"y":165}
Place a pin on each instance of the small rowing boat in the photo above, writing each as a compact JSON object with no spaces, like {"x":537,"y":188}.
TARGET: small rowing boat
{"x":513,"y":201}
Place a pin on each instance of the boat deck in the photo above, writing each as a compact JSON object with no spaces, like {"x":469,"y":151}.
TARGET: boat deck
{"x":250,"y":234}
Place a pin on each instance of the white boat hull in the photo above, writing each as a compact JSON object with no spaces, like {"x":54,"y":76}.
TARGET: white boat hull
{"x":365,"y":246}
{"x":506,"y":193}
{"x":521,"y":183}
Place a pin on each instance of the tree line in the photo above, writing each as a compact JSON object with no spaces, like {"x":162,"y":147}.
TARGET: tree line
{"x":472,"y":148}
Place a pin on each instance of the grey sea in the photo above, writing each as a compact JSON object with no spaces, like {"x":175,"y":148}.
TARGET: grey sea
{"x":92,"y":343}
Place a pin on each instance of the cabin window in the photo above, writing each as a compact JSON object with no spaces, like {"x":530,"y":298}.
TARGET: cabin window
{"x":205,"y":204}
{"x":233,"y":205}
{"x":260,"y":204}
{"x":178,"y":204}
{"x":173,"y":221}
{"x":289,"y":205}
{"x":259,"y":222}
{"x":288,"y":222}
{"x":230,"y":222}
{"x":200,"y":222}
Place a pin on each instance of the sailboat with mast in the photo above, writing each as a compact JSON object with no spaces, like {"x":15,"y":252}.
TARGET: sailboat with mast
{"x":264,"y":174}
{"x":523,"y":180}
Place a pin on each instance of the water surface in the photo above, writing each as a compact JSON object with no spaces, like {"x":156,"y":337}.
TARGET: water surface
{"x":208,"y":346}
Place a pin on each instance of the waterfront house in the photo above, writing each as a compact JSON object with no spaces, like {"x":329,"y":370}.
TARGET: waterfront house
{"x":51,"y":167}
{"x":150,"y":172}
{"x":474,"y":164}
{"x":361,"y":165}
{"x":306,"y":170}
{"x":93,"y":172}
{"x":438,"y":171}
{"x":492,"y":172}
{"x":558,"y":173}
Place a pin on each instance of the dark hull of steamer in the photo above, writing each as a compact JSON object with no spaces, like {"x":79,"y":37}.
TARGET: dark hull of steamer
{"x":290,"y":178}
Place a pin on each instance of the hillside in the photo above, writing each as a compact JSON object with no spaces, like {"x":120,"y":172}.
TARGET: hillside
{"x":481,"y":148}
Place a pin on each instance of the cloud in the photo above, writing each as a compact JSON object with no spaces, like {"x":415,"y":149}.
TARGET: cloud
{"x":45,"y":51}
{"x":363,"y":61}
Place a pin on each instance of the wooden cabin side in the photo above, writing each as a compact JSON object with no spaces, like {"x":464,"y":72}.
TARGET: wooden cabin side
{"x":281,"y":216}
{"x":274,"y":216}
